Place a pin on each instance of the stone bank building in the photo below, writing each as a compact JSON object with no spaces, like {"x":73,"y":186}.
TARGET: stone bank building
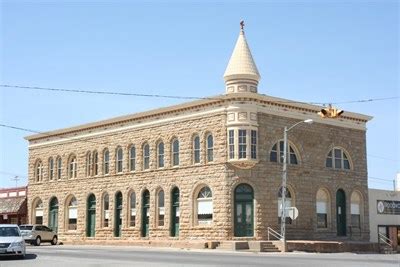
{"x":209,"y":169}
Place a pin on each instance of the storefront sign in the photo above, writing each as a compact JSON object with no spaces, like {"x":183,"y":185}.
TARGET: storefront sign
{"x":388,"y":207}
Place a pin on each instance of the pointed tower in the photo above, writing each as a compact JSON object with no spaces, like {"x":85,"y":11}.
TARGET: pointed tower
{"x":241,"y":74}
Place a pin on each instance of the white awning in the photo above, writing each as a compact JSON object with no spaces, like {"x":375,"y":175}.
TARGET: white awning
{"x":205,"y":207}
{"x":322,"y":207}
{"x":72,"y":213}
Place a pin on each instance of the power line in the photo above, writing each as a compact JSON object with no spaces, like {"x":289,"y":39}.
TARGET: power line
{"x":101,"y":92}
{"x":380,"y":179}
{"x":179,"y":97}
{"x":380,"y":157}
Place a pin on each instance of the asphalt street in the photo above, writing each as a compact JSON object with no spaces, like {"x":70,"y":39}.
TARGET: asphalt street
{"x":93,"y":256}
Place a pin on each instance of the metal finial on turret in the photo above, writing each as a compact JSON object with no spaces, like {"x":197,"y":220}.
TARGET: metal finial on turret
{"x":242,"y":24}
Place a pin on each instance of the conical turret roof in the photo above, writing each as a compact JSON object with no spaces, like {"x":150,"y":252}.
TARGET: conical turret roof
{"x":241,"y":64}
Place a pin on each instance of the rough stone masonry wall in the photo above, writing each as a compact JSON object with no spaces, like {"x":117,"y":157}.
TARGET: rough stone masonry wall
{"x":189,"y":178}
{"x":313,"y":143}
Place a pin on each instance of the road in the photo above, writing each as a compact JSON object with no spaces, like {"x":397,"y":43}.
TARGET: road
{"x":96,"y":256}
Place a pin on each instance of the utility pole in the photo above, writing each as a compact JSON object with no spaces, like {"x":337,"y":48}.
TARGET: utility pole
{"x":16,"y":179}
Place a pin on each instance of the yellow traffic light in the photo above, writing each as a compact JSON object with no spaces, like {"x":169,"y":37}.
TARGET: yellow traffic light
{"x":330,"y":112}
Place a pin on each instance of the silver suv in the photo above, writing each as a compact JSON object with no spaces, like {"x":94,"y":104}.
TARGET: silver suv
{"x":36,"y":234}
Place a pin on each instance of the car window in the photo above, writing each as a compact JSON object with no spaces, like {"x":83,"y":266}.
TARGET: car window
{"x":38,"y":228}
{"x":9,"y":231}
{"x":25,"y":227}
{"x":45,"y":228}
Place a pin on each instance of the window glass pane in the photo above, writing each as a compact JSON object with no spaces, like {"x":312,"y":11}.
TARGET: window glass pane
{"x":338,"y":163}
{"x":196,"y":149}
{"x":253,"y":144}
{"x":293,"y":158}
{"x":328,"y":162}
{"x":146,"y":157}
{"x":210,"y":148}
{"x":322,"y":221}
{"x":338,"y":153}
{"x":161,"y":155}
{"x":242,"y":144}
{"x":175,"y":147}
{"x":132,"y":159}
{"x":346,"y":164}
{"x":273,"y":156}
{"x":231,"y":140}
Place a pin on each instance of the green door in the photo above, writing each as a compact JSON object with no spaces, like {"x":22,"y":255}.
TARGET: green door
{"x":175,"y":212}
{"x":91,"y":216}
{"x":145,"y":213}
{"x":118,"y":214}
{"x":341,"y":212}
{"x":53,"y":214}
{"x":243,"y":221}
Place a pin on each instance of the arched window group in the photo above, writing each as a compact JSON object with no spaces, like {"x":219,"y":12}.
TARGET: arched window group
{"x":277,"y":151}
{"x":99,"y":163}
{"x":338,"y":159}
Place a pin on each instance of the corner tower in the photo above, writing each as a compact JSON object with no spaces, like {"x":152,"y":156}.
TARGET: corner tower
{"x":241,"y":74}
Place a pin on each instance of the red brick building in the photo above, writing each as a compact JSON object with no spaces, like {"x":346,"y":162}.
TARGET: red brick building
{"x":13,"y":205}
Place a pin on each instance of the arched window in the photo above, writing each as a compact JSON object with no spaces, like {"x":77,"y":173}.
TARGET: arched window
{"x":146,"y":156}
{"x":132,"y":217}
{"x":106,"y":210}
{"x":72,"y":167}
{"x":322,"y":207}
{"x":196,"y":149}
{"x":210,"y":148}
{"x":95,"y":163}
{"x":106,"y":162}
{"x":337,"y":159}
{"x":89,"y":164}
{"x":160,"y":155}
{"x":288,"y":203}
{"x":59,"y":167}
{"x":72,"y":214}
{"x":51,"y":168}
{"x":39,"y":171}
{"x":204,"y":206}
{"x":38,"y":212}
{"x":119,"y":160}
{"x":355,"y":209}
{"x":132,"y":158}
{"x":161,"y":211}
{"x":175,"y":152}
{"x":278,"y":150}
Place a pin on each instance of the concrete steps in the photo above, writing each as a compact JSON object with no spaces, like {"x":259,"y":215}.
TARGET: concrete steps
{"x":269,"y":247}
{"x":254,"y":246}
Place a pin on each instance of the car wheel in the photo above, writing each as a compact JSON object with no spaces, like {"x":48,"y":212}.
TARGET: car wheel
{"x":54,"y":241}
{"x":37,"y":241}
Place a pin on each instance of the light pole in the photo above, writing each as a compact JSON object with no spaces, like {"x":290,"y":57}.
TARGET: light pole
{"x":284,"y":178}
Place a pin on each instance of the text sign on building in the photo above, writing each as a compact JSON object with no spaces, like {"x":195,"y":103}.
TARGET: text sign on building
{"x":388,"y":207}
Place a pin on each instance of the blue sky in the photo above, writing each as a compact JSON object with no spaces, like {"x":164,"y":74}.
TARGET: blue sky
{"x":311,"y":51}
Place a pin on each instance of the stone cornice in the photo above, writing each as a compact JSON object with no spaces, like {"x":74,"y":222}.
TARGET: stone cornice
{"x":268,"y":104}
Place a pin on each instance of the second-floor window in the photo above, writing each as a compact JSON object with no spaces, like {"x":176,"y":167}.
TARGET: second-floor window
{"x":210,"y":148}
{"x":119,"y":160}
{"x":106,"y":162}
{"x":146,"y":156}
{"x":160,"y":152}
{"x":72,"y":167}
{"x":196,"y":149}
{"x":175,"y":152}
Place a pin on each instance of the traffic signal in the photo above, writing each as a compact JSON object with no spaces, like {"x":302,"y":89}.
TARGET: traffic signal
{"x":330,"y":112}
